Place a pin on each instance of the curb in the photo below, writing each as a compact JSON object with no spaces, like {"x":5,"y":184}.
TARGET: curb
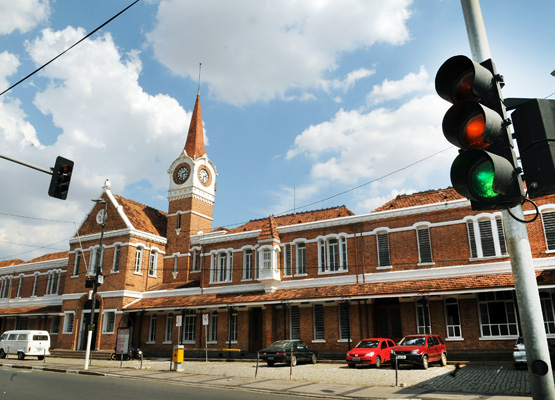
{"x":50,"y":369}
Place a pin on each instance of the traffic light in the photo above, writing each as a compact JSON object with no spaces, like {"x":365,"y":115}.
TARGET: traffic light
{"x":61,"y":176}
{"x":534,"y":123}
{"x":486,"y":169}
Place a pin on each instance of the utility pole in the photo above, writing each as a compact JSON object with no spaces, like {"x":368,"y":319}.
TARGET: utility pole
{"x":529,"y":305}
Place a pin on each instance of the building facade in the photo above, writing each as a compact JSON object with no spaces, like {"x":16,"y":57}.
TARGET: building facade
{"x":420,"y":263}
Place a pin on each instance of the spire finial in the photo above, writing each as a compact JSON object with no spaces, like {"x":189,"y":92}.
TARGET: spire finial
{"x":199,"y":67}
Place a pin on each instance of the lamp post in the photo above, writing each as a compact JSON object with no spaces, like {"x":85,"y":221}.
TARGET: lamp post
{"x":101,"y":219}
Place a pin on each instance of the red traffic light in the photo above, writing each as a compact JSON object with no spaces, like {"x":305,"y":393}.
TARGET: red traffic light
{"x":469,"y":125}
{"x":61,"y":177}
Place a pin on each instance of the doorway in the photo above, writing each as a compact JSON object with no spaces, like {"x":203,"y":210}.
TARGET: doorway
{"x":255,"y":330}
{"x":387,"y":319}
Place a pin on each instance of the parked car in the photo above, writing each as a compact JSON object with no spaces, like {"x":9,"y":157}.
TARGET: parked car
{"x":420,"y":350}
{"x":25,"y":343}
{"x":370,"y":351}
{"x":519,"y":353}
{"x":289,"y":352}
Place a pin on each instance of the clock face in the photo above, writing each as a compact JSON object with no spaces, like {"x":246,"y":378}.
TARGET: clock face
{"x":101,"y":217}
{"x":204,"y":176}
{"x":181,"y":173}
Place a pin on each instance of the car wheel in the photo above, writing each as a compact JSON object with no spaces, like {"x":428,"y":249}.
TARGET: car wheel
{"x":293,"y":361}
{"x":443,"y":361}
{"x":313,"y":359}
{"x":425,"y":361}
{"x":20,"y":355}
{"x":378,"y":362}
{"x":351,"y":365}
{"x":270,"y":363}
{"x":40,"y":358}
{"x":2,"y":353}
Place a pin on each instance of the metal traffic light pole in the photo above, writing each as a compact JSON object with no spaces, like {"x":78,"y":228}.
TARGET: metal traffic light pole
{"x":529,"y":305}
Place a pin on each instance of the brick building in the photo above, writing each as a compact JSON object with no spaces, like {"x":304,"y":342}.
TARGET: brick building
{"x":421,"y":262}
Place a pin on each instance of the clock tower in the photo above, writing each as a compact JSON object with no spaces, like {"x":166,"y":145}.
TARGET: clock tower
{"x":192,"y":191}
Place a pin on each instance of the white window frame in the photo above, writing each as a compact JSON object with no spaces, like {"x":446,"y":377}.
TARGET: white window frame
{"x":454,"y":330}
{"x":248,"y":256}
{"x":548,"y":224}
{"x":424,"y":240}
{"x":55,"y":325}
{"x":287,"y":260}
{"x":189,"y":327}
{"x":332,"y":254}
{"x":221,"y":266}
{"x":506,"y":298}
{"x":20,"y":285}
{"x":195,"y":260}
{"x":77,"y":262}
{"x":106,"y":315}
{"x":152,"y":329}
{"x":486,"y":236}
{"x":383,"y":247}
{"x":138,"y":260}
{"x":35,"y":284}
{"x":117,"y":259}
{"x":213,"y":327}
{"x":423,"y":327}
{"x":69,"y":316}
{"x":232,"y":327}
{"x":168,"y":331}
{"x":153,"y":264}
{"x":300,"y":258}
{"x":548,"y":312}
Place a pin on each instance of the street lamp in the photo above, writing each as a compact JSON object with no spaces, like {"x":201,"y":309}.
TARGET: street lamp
{"x":101,"y":219}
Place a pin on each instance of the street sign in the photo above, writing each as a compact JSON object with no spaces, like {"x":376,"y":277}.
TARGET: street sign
{"x":205,"y":319}
{"x":178,"y":320}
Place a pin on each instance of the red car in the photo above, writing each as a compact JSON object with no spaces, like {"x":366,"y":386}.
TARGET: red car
{"x":420,"y":350}
{"x":370,"y":351}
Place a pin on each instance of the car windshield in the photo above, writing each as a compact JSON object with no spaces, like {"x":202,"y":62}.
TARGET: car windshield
{"x":367,"y":344}
{"x":280,"y":344}
{"x":413,"y":341}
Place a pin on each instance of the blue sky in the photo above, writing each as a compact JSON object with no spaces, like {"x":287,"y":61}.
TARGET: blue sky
{"x":306,"y":104}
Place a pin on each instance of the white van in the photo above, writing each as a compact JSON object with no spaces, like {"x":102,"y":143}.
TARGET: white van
{"x":25,"y":343}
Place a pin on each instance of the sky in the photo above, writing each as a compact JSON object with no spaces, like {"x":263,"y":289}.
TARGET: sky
{"x":306,"y":104}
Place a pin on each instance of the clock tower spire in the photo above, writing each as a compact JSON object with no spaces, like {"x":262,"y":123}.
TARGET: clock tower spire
{"x":192,"y":190}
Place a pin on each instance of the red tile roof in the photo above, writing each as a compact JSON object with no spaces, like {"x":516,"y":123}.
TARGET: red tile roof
{"x":421,"y":198}
{"x":144,"y":218}
{"x":269,"y":230}
{"x":49,"y":257}
{"x":31,"y":310}
{"x":296,"y":218}
{"x":393,"y":289}
{"x":9,"y":263}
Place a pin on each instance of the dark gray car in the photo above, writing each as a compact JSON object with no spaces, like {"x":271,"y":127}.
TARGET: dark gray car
{"x":289,"y":352}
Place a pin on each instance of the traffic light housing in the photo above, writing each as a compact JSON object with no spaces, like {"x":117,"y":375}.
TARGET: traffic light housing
{"x":486,"y":170}
{"x":534,"y":124}
{"x":61,"y":177}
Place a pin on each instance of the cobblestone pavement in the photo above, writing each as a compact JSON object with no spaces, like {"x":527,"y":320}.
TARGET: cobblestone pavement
{"x":501,"y":379}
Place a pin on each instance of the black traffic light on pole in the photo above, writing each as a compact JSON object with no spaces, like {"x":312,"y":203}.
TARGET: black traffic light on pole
{"x":534,"y":124}
{"x":61,"y":176}
{"x":486,"y":170}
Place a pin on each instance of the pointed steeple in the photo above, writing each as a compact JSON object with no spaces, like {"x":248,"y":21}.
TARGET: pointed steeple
{"x":194,"y":146}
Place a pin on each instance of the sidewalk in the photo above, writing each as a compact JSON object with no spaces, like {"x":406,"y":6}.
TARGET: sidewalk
{"x":377,"y":384}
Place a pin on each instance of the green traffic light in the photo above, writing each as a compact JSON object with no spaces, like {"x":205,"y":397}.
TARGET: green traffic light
{"x":481,"y":179}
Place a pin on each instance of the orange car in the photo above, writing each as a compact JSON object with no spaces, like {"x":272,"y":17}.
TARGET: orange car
{"x":370,"y":351}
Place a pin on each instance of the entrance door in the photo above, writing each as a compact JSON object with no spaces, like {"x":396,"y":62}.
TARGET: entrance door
{"x":255,"y":330}
{"x":387,"y":319}
{"x":85,"y":330}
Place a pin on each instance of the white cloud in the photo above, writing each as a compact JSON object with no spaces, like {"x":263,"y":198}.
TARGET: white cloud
{"x":256,"y":50}
{"x":22,"y":15}
{"x":349,"y":81}
{"x":109,"y":126}
{"x":355,"y":148}
{"x":390,"y":90}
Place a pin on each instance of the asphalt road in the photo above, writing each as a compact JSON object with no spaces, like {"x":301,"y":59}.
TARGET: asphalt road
{"x":20,"y":384}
